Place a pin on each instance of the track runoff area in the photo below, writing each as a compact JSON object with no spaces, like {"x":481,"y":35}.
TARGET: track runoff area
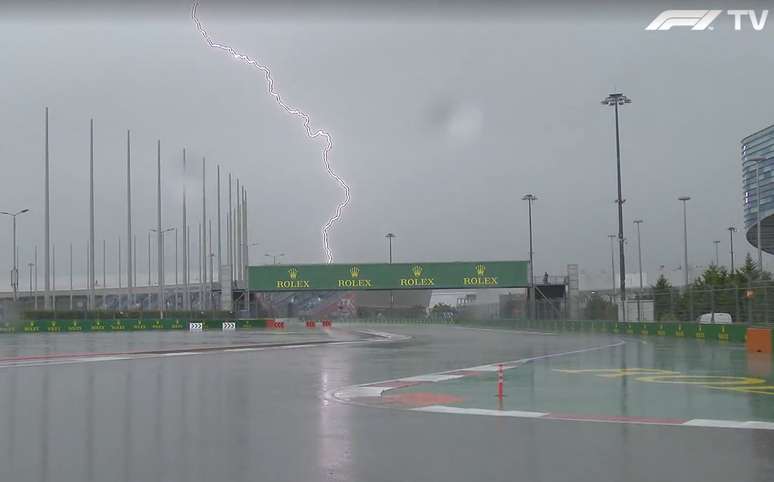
{"x":570,"y":377}
{"x":567,"y":377}
{"x":610,"y":379}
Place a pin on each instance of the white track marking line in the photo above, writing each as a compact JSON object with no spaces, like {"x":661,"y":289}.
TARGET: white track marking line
{"x":452,"y":374}
{"x":480,"y":411}
{"x":431,"y":378}
{"x":383,"y":337}
{"x":357,"y":392}
{"x":709,"y":423}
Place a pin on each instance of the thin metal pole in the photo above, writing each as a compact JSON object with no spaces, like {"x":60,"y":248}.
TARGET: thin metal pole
{"x":622,"y":265}
{"x":14,"y":270}
{"x":685,"y":240}
{"x":71,"y":276}
{"x":47,"y":298}
{"x":209,"y":288}
{"x":92,"y":278}
{"x":36,"y":277}
{"x":220,"y":261}
{"x":119,"y":270}
{"x":245,"y":251}
{"x":129,"y":264}
{"x":204,"y":234}
{"x":149,"y":264}
{"x":230,"y":234}
{"x":201,"y":287}
{"x":531,"y":261}
{"x":238,"y":240}
{"x":53,"y":277}
{"x":104,"y":260}
{"x":186,"y":253}
{"x":135,"y":262}
{"x":731,"y":230}
{"x":176,"y":270}
{"x":639,"y":257}
{"x":159,"y":232}
{"x":717,"y":257}
{"x":612,"y":262}
{"x":187,"y":249}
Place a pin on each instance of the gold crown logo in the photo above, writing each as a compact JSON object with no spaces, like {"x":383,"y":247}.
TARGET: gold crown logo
{"x":417,"y":270}
{"x":480,"y":269}
{"x":354,"y":271}
{"x":293,"y":273}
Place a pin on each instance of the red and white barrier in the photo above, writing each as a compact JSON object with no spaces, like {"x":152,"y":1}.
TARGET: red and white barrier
{"x":275,"y":324}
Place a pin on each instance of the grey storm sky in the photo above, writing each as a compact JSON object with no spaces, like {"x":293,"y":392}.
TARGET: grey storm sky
{"x":439,"y":127}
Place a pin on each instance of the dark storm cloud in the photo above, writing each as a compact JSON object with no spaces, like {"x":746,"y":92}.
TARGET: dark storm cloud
{"x":439,"y":126}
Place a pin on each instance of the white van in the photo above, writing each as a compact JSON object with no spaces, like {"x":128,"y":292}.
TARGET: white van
{"x":719,"y":318}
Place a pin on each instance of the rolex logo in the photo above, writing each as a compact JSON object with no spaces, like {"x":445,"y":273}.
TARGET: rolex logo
{"x":293,"y":273}
{"x":481,"y":279}
{"x":417,"y":271}
{"x":354,"y":271}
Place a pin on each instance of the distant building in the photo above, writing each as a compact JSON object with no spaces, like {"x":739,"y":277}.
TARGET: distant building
{"x":759,"y":145}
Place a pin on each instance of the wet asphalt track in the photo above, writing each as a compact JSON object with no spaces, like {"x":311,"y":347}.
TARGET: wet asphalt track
{"x":264,"y":416}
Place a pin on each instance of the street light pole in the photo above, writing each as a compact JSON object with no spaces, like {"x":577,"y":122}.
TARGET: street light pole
{"x":612,"y":263}
{"x":615,"y":100}
{"x":15,"y":269}
{"x":203,"y":245}
{"x":36,"y":277}
{"x":159,"y":232}
{"x":149,"y":264}
{"x":389,"y":237}
{"x":639,"y":256}
{"x":685,"y":199}
{"x":91,"y":275}
{"x":731,"y":230}
{"x":176,"y":270}
{"x":530,"y":198}
{"x":130,"y":280}
{"x":186,"y":242}
{"x":160,"y":263}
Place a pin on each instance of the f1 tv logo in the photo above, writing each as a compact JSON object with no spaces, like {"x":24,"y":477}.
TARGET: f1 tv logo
{"x":702,"y":19}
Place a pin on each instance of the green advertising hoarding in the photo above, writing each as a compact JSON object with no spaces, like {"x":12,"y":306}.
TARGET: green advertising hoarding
{"x":398,"y":276}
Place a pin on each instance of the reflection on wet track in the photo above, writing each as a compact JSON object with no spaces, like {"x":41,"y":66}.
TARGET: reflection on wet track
{"x":263,"y":415}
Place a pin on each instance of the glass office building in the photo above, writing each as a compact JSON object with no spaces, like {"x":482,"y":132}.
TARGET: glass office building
{"x":758,"y":176}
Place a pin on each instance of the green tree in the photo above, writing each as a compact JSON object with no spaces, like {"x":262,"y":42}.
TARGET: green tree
{"x":715,"y":291}
{"x":663,"y":297}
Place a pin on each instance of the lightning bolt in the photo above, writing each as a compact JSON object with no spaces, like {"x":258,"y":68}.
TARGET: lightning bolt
{"x":294,"y":112}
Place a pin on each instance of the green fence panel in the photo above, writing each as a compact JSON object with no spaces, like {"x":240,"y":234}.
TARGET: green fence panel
{"x":176,"y":324}
{"x":7,"y":327}
{"x":736,"y":333}
{"x":216,"y":325}
{"x":98,"y":325}
{"x":647,"y":329}
{"x":75,"y":325}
